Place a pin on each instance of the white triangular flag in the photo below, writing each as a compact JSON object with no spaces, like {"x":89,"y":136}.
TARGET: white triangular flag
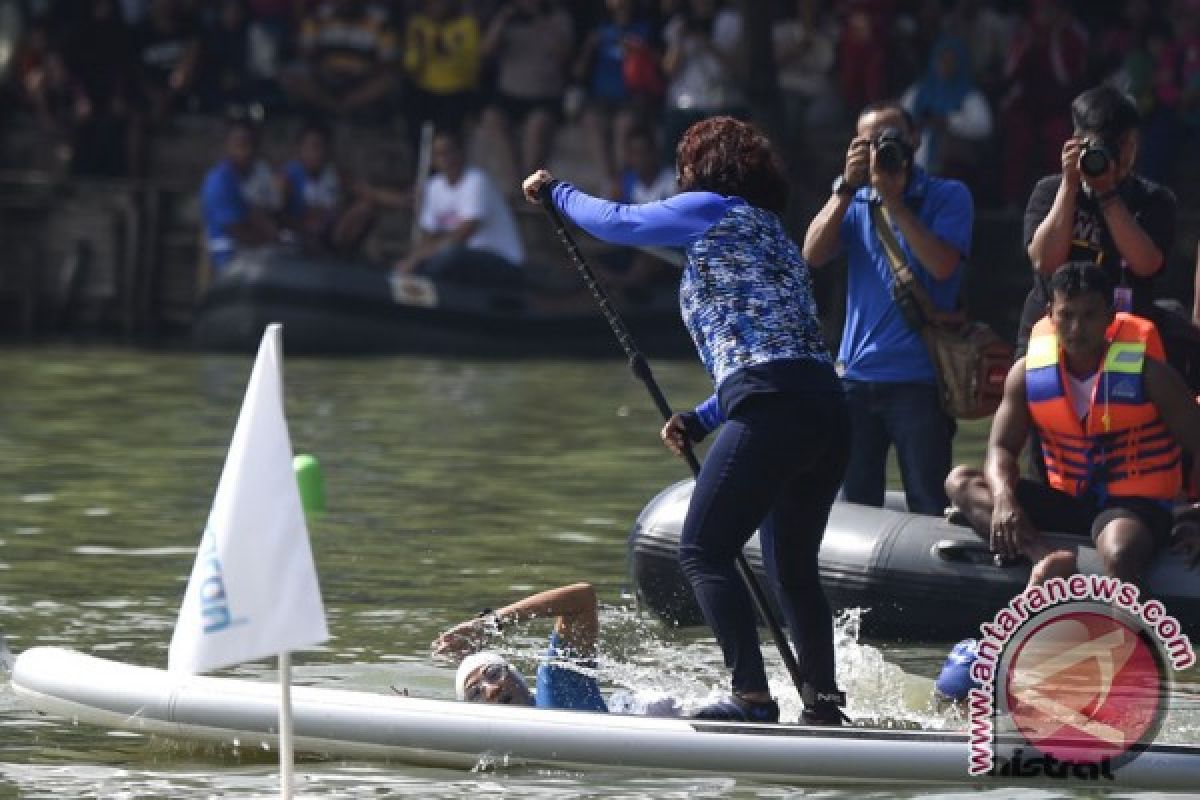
{"x":253,"y":590}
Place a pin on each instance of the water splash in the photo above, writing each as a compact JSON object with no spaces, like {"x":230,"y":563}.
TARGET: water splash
{"x":643,"y":661}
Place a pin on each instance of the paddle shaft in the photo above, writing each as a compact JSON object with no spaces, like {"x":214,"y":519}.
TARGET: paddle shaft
{"x":641,"y":369}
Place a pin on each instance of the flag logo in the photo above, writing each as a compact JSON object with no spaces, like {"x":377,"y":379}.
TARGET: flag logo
{"x":214,"y":601}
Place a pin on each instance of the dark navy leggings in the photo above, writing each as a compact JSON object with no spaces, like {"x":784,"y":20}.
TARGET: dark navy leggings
{"x":776,"y":465}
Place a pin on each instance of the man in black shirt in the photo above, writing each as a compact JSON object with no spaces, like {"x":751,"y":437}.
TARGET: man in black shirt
{"x":1099,"y":210}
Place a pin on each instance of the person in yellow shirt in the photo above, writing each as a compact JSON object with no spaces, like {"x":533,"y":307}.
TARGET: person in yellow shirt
{"x":441,"y":57}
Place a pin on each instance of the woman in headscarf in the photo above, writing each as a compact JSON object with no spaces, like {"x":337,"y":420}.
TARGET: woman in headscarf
{"x":953,"y":115}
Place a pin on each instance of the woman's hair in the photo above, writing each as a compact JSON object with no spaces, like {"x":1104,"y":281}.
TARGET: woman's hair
{"x":731,"y":157}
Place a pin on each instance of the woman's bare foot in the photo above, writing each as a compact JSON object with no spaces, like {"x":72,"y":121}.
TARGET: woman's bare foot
{"x":1055,"y":564}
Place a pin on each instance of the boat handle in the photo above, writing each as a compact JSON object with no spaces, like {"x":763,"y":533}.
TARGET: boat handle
{"x":962,"y":552}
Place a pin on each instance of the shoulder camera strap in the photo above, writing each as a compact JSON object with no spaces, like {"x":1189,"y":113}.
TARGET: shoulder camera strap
{"x":915,"y":304}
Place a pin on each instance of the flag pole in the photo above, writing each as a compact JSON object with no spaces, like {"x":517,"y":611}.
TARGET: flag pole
{"x":311,"y":484}
{"x":285,"y":726}
{"x":285,"y":659}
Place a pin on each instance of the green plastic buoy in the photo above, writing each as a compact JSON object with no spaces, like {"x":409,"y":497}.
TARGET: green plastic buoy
{"x":310,"y":481}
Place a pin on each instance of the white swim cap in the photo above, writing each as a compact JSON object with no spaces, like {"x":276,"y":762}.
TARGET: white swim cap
{"x":469,"y":665}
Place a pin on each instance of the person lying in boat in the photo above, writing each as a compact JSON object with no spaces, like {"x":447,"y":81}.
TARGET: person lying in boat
{"x":565,"y":678}
{"x":1110,"y":419}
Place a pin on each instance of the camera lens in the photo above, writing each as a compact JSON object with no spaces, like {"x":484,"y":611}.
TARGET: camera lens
{"x":889,"y":157}
{"x":892,"y":152}
{"x":1094,"y":160}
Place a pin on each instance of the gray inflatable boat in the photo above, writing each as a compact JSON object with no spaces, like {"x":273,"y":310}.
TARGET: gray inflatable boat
{"x":918,"y":577}
{"x":335,"y":306}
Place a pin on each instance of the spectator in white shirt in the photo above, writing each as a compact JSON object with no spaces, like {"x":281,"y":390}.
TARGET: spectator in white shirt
{"x":467,"y":231}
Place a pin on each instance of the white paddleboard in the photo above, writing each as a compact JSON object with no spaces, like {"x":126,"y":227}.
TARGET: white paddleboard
{"x":343,"y":722}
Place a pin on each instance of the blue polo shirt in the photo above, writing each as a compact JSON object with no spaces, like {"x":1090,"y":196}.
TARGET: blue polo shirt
{"x":223,"y":206}
{"x":877,"y":344}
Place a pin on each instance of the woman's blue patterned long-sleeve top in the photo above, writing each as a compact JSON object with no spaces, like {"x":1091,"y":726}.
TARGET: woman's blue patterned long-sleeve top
{"x":746,"y":295}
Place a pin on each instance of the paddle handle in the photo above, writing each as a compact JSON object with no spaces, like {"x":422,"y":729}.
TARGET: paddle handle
{"x":641,"y":370}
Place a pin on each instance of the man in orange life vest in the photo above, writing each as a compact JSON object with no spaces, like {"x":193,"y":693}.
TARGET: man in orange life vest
{"x":1111,"y":415}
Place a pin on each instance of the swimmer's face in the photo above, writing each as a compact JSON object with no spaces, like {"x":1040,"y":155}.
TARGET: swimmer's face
{"x":496,"y":683}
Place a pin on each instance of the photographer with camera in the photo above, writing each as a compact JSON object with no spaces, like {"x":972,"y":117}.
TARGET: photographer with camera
{"x":891,"y":387}
{"x":1099,"y":211}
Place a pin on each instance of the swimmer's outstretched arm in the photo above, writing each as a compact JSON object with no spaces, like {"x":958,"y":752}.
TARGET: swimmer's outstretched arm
{"x":574,"y":608}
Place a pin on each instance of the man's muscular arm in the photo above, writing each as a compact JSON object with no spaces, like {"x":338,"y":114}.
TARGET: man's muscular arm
{"x":1001,"y":468}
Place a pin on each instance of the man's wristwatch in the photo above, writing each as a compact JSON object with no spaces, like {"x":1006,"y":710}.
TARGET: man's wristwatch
{"x":842,"y":187}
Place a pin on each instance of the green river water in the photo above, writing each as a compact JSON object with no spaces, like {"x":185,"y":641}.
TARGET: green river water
{"x":452,"y":485}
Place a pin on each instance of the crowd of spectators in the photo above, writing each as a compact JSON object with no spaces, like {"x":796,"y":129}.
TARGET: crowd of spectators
{"x":988,"y":82}
{"x":988,"y":103}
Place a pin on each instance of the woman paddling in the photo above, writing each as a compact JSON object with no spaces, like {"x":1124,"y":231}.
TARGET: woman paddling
{"x":746,"y":298}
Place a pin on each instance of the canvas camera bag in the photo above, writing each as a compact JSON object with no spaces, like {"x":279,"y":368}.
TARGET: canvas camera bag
{"x":970,"y":359}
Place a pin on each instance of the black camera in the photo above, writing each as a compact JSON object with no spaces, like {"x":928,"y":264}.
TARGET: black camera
{"x":892,"y":151}
{"x":1095,"y":158}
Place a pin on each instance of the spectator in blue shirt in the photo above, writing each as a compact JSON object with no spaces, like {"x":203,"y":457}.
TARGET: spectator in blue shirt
{"x":746,"y":297}
{"x":321,"y":203}
{"x":890,"y":384}
{"x":612,"y":107}
{"x":239,"y":197}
